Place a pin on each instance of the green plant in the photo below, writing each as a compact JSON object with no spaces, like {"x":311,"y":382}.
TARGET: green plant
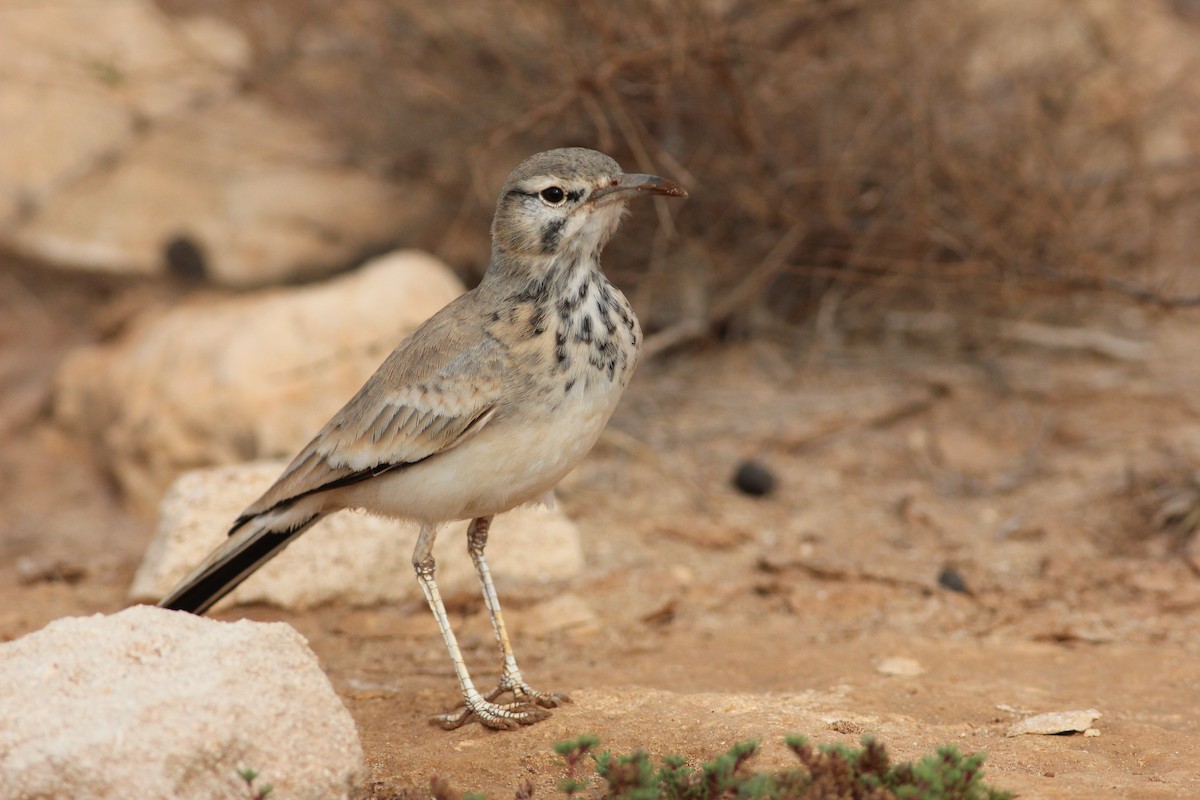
{"x":249,"y":776}
{"x":867,"y":772}
{"x":825,"y":773}
{"x":573,"y":752}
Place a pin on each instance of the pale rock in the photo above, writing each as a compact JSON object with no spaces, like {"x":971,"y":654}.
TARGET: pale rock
{"x":255,"y":376}
{"x":1055,"y":722}
{"x":123,"y":129}
{"x":152,"y":703}
{"x":349,"y":556}
{"x":900,"y":667}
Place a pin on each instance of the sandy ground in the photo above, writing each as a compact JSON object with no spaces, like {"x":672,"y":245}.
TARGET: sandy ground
{"x":1059,"y":485}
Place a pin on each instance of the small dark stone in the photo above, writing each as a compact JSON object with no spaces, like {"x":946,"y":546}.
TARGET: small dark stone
{"x":185,"y":258}
{"x":952,"y":579}
{"x":754,"y":479}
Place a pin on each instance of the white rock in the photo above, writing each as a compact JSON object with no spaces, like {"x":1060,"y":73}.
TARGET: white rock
{"x":255,"y":376}
{"x":1054,"y":722}
{"x":349,"y":556}
{"x":152,"y":703}
{"x":127,"y":128}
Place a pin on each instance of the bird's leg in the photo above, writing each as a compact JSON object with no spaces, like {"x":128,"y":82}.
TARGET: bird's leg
{"x":511,"y":679}
{"x":492,"y":715}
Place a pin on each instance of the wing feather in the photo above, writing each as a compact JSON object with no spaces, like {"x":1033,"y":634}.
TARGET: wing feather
{"x":423,"y":400}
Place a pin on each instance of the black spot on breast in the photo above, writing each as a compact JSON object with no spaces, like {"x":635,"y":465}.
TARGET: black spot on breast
{"x":570,"y":301}
{"x":552,"y":235}
{"x":495,"y":316}
{"x":560,"y":349}
{"x":585,"y":330}
{"x":570,"y":385}
{"x":606,"y":320}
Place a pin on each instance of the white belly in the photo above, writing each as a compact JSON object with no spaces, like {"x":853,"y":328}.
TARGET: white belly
{"x":511,"y":461}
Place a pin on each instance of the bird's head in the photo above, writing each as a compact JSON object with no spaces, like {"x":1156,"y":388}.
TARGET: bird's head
{"x":567,"y":200}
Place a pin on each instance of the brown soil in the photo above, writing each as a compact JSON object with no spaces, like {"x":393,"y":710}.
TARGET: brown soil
{"x":1060,"y":486}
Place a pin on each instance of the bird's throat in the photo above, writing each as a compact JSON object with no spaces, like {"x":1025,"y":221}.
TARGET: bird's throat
{"x":576,"y":320}
{"x":596,"y":333}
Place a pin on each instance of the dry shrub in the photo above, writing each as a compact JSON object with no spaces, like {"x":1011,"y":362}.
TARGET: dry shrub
{"x":1158,"y":509}
{"x":949,"y":154}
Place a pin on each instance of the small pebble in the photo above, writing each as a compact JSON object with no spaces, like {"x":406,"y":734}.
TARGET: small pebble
{"x":952,"y":579}
{"x":754,"y":479}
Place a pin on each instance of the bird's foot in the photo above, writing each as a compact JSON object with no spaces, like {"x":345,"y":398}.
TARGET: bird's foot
{"x":524,"y":693}
{"x":498,"y":716}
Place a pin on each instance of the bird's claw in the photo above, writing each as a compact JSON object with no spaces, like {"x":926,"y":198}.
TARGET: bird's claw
{"x":503,"y":717}
{"x":524,"y":693}
{"x":528,"y":706}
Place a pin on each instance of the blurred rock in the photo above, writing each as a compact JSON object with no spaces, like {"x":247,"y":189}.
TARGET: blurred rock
{"x":952,"y":579}
{"x":152,"y":703}
{"x":124,"y":130}
{"x":250,"y":377}
{"x":753,"y":478}
{"x":349,"y":557}
{"x":900,"y":667}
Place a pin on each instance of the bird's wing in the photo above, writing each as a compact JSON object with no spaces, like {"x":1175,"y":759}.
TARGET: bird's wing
{"x":439,"y":388}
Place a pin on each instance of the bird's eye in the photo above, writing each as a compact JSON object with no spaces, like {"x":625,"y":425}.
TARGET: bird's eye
{"x":553,"y":195}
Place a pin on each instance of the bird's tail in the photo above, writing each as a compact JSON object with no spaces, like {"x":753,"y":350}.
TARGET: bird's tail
{"x":252,"y":543}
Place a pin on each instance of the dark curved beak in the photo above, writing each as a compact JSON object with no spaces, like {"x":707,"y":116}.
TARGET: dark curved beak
{"x":631,"y":184}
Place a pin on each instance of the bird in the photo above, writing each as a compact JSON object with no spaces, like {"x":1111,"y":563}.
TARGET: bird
{"x":484,"y":407}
